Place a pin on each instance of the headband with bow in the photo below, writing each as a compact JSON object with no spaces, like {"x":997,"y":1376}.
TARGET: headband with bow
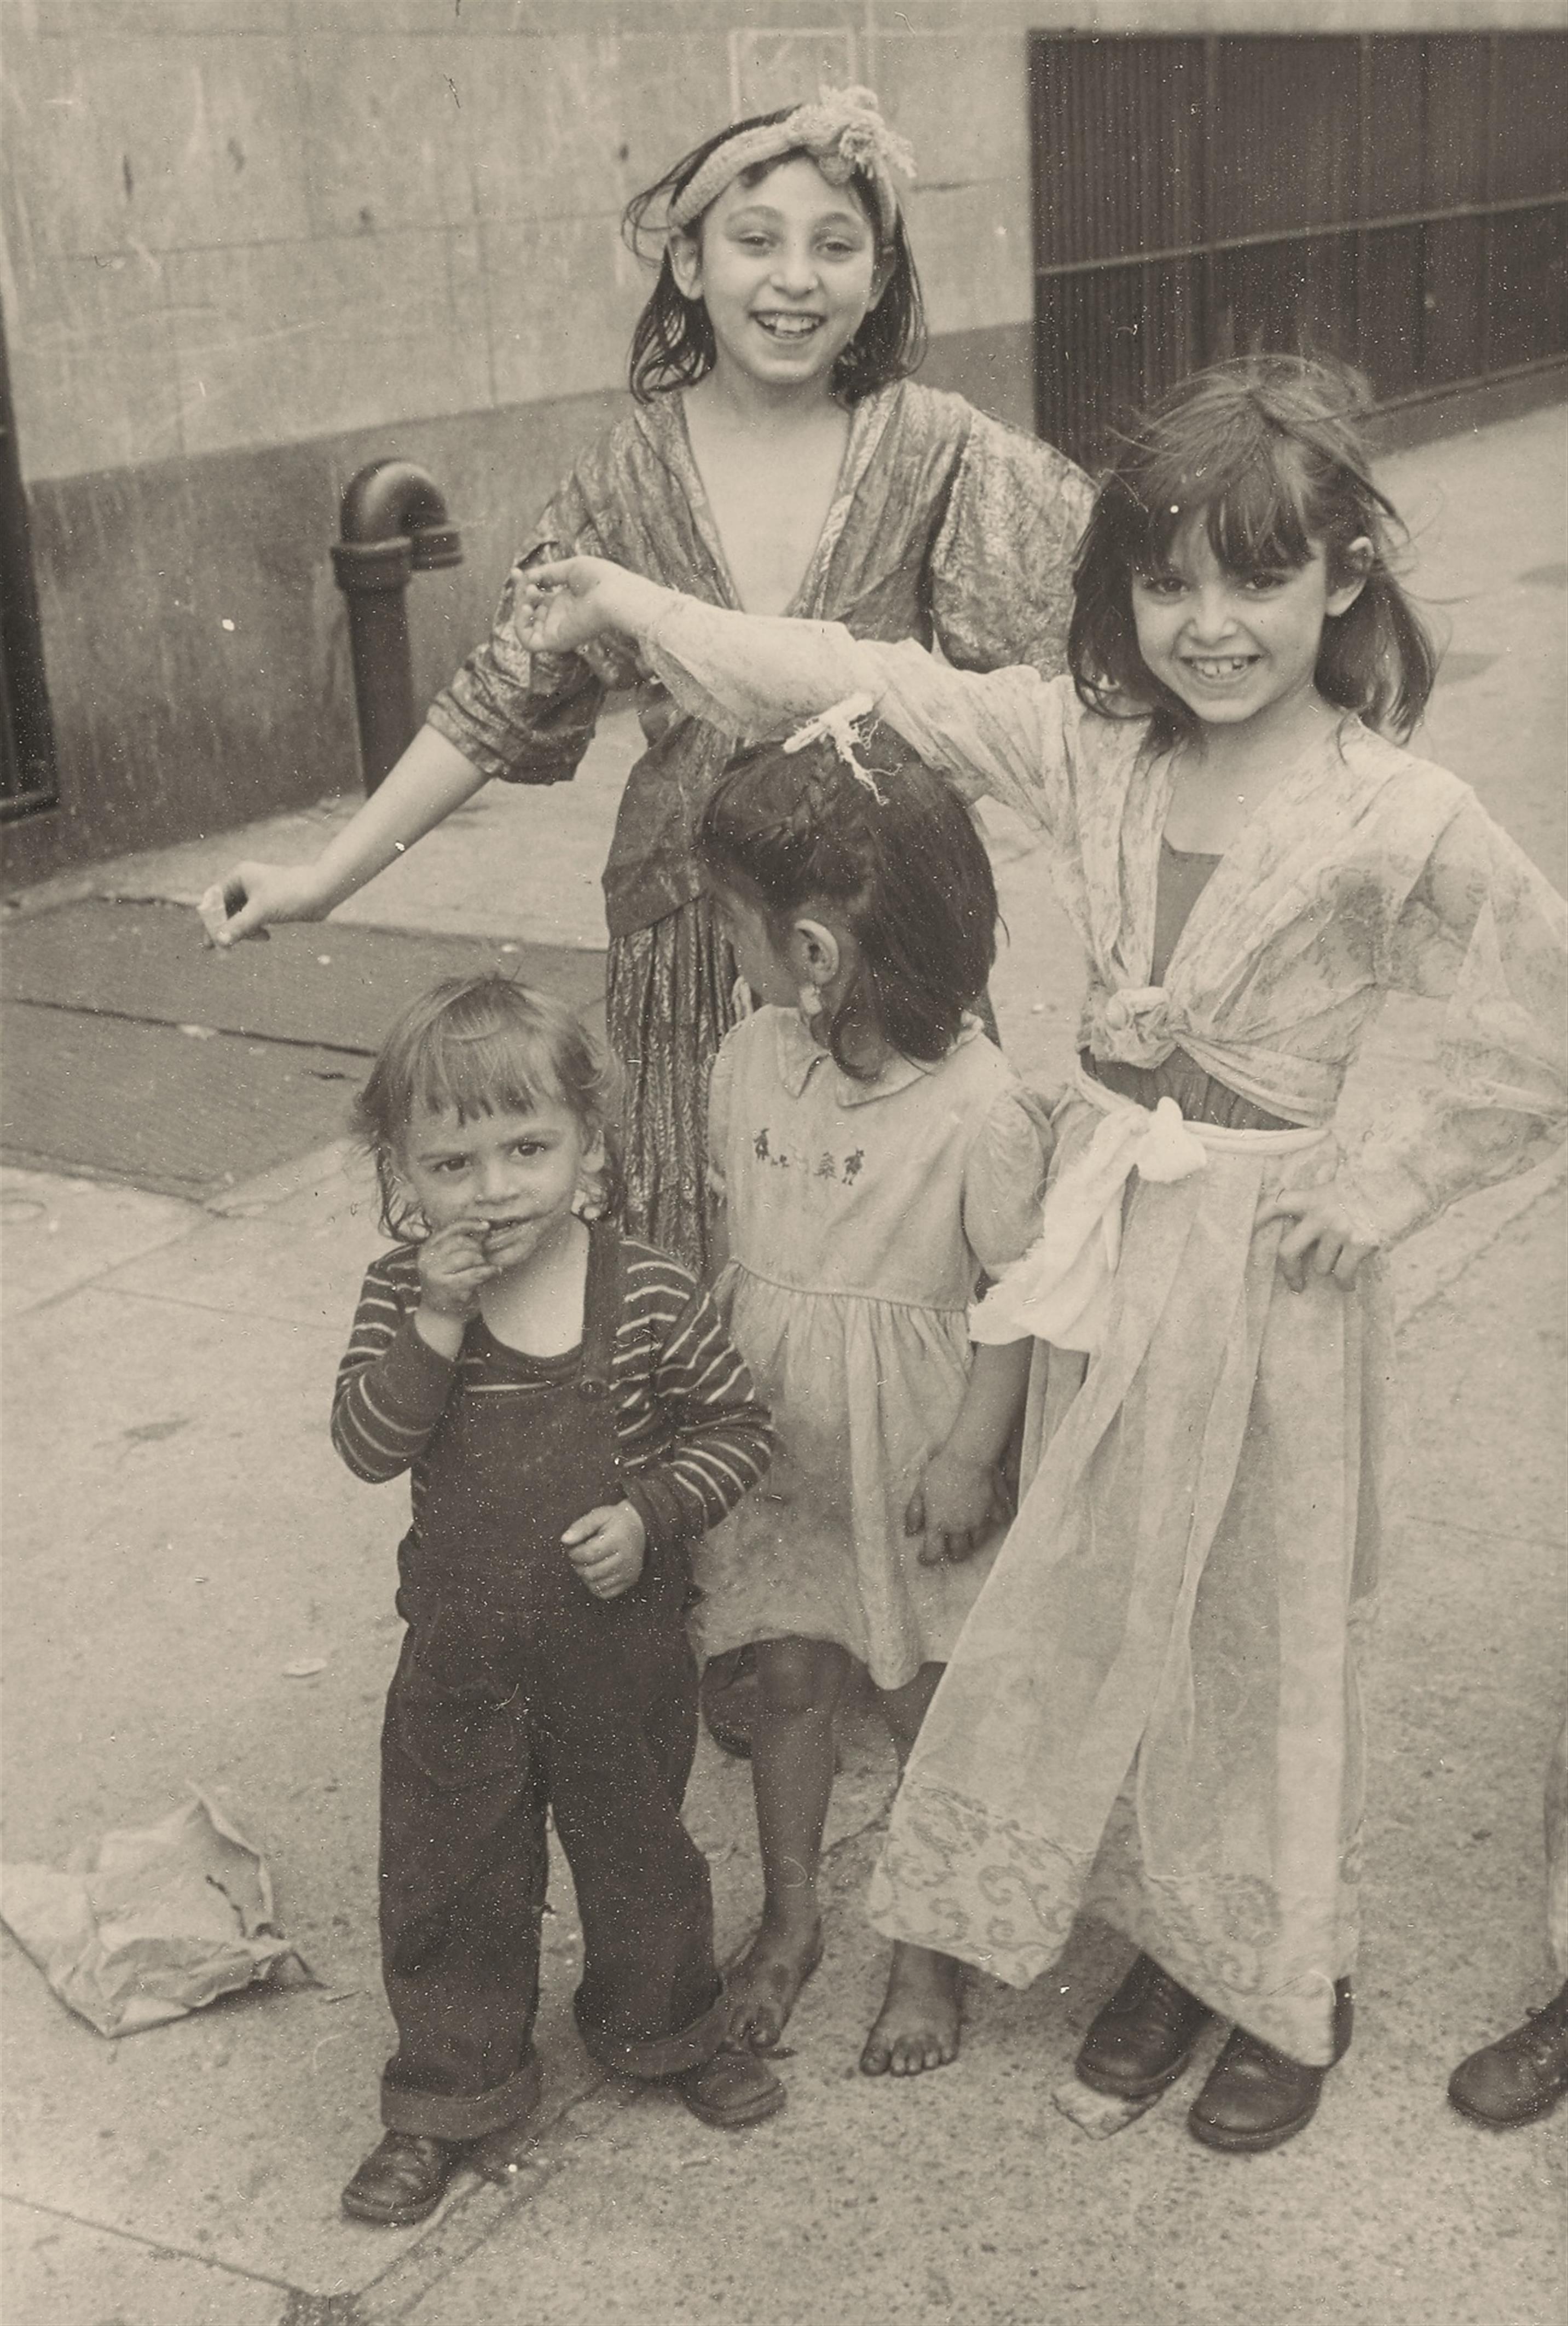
{"x":843,"y":131}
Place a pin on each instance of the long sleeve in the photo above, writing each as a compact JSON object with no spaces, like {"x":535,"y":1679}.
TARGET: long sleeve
{"x":392,"y":1387}
{"x":712,"y":1439}
{"x":1483,"y":925}
{"x":1006,"y":733}
{"x":1000,"y":585}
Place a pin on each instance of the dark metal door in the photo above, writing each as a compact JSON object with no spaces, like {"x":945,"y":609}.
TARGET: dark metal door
{"x":1398,"y":199}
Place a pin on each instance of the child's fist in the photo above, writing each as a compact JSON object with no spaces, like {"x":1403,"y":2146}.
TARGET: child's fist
{"x":955,"y":1506}
{"x":1325,"y":1236}
{"x":452,"y":1270}
{"x":607,"y":1547}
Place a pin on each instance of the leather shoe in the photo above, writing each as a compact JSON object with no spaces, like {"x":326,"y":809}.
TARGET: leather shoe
{"x":1143,"y":2038}
{"x":730,"y":2090}
{"x":404,"y":2177}
{"x":1520,"y":2076}
{"x":1255,"y":2097}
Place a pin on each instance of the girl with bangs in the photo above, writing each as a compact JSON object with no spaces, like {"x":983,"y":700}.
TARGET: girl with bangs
{"x":1153,"y":1708}
{"x":777,"y":457}
{"x":572,"y":1417}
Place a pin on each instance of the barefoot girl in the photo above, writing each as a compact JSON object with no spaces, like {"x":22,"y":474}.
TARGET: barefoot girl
{"x":1154,"y":1706}
{"x":875,"y":1151}
{"x":776,"y":459}
{"x":574,"y":1417}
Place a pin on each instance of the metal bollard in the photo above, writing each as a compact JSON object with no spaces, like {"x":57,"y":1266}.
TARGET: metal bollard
{"x":393,"y":522}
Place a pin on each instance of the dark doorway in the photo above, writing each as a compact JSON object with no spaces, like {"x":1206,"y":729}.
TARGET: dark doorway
{"x":27,"y":778}
{"x":1397,"y":199}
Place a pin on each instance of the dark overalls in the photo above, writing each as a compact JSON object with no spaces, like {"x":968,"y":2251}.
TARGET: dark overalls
{"x":517,"y":1689}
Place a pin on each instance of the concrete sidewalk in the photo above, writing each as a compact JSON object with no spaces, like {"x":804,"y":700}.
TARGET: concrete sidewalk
{"x":180,"y":1533}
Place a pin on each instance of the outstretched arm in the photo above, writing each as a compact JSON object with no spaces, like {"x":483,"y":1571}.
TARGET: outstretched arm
{"x":1004,"y":733}
{"x":431,"y":778}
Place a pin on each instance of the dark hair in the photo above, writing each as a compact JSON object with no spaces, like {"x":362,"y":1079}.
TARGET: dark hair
{"x":476,"y":1046}
{"x":1268,"y":450}
{"x":909,"y":870}
{"x":674,"y":346}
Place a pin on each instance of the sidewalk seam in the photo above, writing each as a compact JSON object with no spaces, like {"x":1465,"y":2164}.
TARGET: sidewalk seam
{"x":149,"y":2245}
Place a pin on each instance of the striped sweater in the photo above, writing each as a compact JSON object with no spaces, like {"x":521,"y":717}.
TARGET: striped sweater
{"x":693,"y":1436}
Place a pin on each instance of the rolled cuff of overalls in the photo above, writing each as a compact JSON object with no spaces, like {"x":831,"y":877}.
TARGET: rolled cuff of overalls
{"x":651,"y":2057}
{"x":467,"y":2116}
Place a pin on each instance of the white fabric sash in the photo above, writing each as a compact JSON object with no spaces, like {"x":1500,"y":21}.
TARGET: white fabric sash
{"x":1060,"y":1291}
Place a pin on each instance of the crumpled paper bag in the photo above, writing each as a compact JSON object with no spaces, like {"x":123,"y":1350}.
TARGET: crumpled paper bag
{"x":143,"y":1926}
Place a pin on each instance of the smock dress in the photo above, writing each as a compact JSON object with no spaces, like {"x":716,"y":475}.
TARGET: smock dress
{"x":859,"y":1216}
{"x":945,"y":526}
{"x":1155,"y":1708}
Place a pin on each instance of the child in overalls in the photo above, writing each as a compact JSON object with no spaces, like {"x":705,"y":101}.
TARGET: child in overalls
{"x":574,"y":1416}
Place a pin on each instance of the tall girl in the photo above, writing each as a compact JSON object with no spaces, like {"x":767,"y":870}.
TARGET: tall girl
{"x":1154,"y":1706}
{"x":776,"y":459}
{"x":874,"y":1151}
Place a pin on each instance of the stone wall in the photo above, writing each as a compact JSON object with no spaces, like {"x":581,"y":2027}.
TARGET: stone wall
{"x":250,"y":244}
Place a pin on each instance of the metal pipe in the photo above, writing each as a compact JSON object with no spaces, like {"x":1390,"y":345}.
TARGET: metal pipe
{"x":393,"y":524}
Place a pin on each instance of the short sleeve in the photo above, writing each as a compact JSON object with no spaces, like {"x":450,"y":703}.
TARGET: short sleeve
{"x":1004,"y":1178}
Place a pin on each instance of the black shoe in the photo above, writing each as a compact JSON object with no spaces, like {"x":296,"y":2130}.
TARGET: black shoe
{"x":404,"y":2177}
{"x":729,"y":2091}
{"x":1520,"y":2076}
{"x":1255,"y":2097}
{"x":1143,"y":2038}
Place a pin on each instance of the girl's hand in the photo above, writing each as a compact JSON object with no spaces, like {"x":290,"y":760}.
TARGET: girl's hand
{"x":452,"y":1272}
{"x":1327,"y":1239}
{"x":955,"y":1506}
{"x":607,"y":1547}
{"x":245,"y":899}
{"x":564,"y":604}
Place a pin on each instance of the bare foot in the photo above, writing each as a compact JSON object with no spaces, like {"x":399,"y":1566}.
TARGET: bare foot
{"x":763,"y":1983}
{"x":917,"y":2026}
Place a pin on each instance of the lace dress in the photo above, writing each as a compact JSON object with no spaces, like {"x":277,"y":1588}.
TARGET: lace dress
{"x":1155,"y":1706}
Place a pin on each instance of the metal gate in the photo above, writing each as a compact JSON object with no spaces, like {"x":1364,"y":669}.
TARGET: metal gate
{"x":1395,"y":199}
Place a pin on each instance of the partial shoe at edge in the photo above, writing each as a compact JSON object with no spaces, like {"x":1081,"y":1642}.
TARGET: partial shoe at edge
{"x":1520,"y":2076}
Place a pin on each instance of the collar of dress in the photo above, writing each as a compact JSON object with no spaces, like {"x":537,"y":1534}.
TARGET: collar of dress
{"x":663,"y":422}
{"x":800,"y":1056}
